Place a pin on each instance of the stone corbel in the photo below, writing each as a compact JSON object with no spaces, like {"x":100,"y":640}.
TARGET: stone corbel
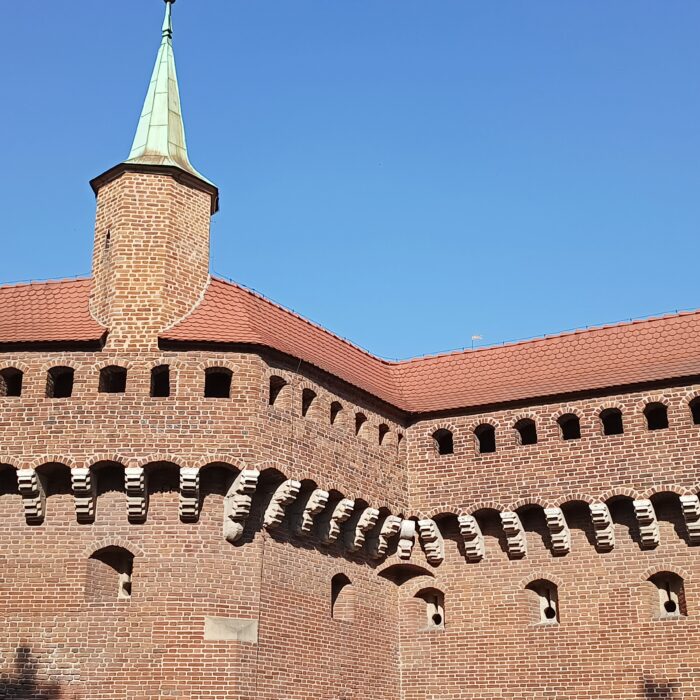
{"x":691,"y":513}
{"x":558,"y":530}
{"x":285,"y":494}
{"x":367,"y":520}
{"x":407,"y":538}
{"x":136,"y":494}
{"x":33,"y":495}
{"x":648,"y":524}
{"x":474,"y":547}
{"x":317,"y":503}
{"x":433,"y":544}
{"x":238,"y":502}
{"x":83,"y":487}
{"x":341,"y":513}
{"x":602,"y":527}
{"x":515,"y":534}
{"x":389,"y":529}
{"x":189,"y":494}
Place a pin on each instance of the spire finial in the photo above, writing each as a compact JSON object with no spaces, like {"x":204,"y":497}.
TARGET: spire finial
{"x":168,"y":21}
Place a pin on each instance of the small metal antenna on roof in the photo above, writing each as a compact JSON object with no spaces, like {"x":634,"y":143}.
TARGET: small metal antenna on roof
{"x":474,"y":338}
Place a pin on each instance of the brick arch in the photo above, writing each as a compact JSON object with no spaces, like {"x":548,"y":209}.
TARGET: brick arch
{"x":529,"y":501}
{"x":674,"y":489}
{"x":8,"y":461}
{"x":114,"y":458}
{"x":417,"y":584}
{"x":522,"y":416}
{"x":228,"y":459}
{"x":485,"y":505}
{"x":660,"y":568}
{"x":574,"y":498}
{"x":617,"y":492}
{"x":173,"y":364}
{"x":147,"y":460}
{"x":483,"y":421}
{"x":52,"y":459}
{"x":217,"y":364}
{"x":15,"y":365}
{"x":114,"y":362}
{"x":540,"y":575}
{"x":97,"y":545}
{"x":60,"y":362}
{"x":442,"y":426}
{"x":653,"y":398}
{"x":567,"y":410}
{"x":440,"y":510}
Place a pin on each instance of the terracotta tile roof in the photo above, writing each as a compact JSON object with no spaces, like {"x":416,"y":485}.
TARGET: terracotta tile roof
{"x":47,"y":312}
{"x":628,"y":353}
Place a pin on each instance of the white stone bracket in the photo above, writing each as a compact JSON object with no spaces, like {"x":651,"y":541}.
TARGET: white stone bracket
{"x":83,"y":487}
{"x":33,"y":495}
{"x":558,"y":530}
{"x":432,"y":541}
{"x":342,"y":511}
{"x":474,"y":547}
{"x":407,"y":538}
{"x":379,"y":545}
{"x":515,"y":534}
{"x":238,"y":503}
{"x":285,"y":494}
{"x":136,"y":493}
{"x":602,"y":527}
{"x":691,"y":513}
{"x":356,"y":537}
{"x":189,"y":494}
{"x":648,"y":524}
{"x":317,"y":502}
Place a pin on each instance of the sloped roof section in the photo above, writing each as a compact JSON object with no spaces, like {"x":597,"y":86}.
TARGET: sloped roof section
{"x":629,"y":353}
{"x":46,"y":312}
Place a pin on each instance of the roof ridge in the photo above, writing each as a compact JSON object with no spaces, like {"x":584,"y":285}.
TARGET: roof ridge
{"x":39,"y":283}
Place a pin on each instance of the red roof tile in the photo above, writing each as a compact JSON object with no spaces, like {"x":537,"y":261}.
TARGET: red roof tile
{"x":641,"y":351}
{"x":47,"y":312}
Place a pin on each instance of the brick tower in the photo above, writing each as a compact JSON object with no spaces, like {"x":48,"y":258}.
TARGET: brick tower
{"x":151,"y":253}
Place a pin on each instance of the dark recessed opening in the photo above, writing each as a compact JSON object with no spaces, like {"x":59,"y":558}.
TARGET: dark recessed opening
{"x":160,"y":381}
{"x":112,"y":380}
{"x":59,"y":382}
{"x":570,"y":427}
{"x":486,"y":438}
{"x":383,"y":432}
{"x":276,"y":386}
{"x":444,"y":442}
{"x":307,"y":398}
{"x":11,"y":382}
{"x":611,"y":418}
{"x":656,"y":415}
{"x":336,"y":408}
{"x":217,"y":383}
{"x":437,"y":619}
{"x":527,"y":431}
{"x":550,"y":613}
{"x":360,"y":420}
{"x":670,"y":607}
{"x":695,"y":410}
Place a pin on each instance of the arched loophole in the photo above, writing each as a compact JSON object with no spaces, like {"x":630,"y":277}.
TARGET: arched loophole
{"x":59,"y":382}
{"x":360,"y":423}
{"x":109,"y":575}
{"x":611,"y":419}
{"x":342,"y":598}
{"x":11,"y":382}
{"x":444,"y":442}
{"x":670,"y":594}
{"x":160,"y":381}
{"x":656,"y":415}
{"x":544,"y":599}
{"x":383,"y":432}
{"x":308,"y":396}
{"x":570,"y":426}
{"x":112,"y":380}
{"x":217,"y":383}
{"x":485,"y":438}
{"x":434,"y":601}
{"x":526,"y":431}
{"x":336,"y":409}
{"x":276,"y":386}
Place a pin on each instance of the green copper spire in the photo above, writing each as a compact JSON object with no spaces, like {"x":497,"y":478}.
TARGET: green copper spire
{"x":160,"y":136}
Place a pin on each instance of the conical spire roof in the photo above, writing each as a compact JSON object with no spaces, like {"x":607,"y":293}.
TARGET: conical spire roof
{"x":160,"y":135}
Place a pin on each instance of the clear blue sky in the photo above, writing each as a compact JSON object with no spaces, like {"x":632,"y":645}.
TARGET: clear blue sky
{"x":407,"y":173}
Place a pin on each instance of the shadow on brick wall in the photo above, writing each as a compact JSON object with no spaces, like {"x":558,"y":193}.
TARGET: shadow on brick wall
{"x":23,"y":683}
{"x":654,"y":690}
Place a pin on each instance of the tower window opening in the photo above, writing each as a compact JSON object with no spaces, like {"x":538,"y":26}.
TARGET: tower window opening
{"x":112,"y":380}
{"x":360,"y":421}
{"x":342,"y":598}
{"x":656,"y":415}
{"x":611,"y":418}
{"x":527,"y":431}
{"x":670,"y":594}
{"x":11,"y":382}
{"x":160,"y":381}
{"x":570,"y":427}
{"x":695,"y":410}
{"x":434,"y":601}
{"x":307,"y":398}
{"x":59,"y":382}
{"x":485,"y":438}
{"x":217,"y":383}
{"x":383,"y":432}
{"x":444,"y":442}
{"x":545,"y":601}
{"x":110,"y":574}
{"x":276,"y":386}
{"x":336,"y":409}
